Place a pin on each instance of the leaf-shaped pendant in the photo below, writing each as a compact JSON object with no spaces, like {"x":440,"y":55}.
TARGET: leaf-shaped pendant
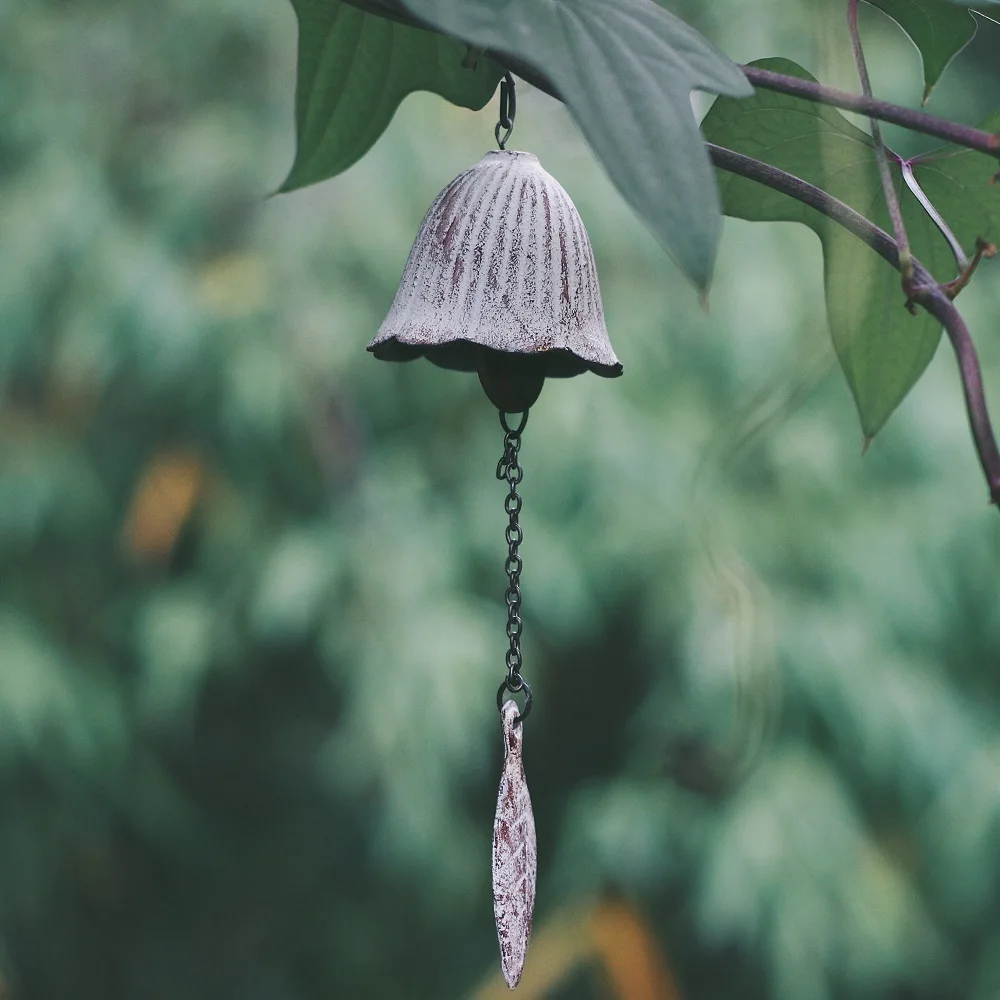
{"x":515,"y":854}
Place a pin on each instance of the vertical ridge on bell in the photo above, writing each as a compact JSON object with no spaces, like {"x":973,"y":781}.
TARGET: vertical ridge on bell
{"x":586,"y":289}
{"x":467,"y":186}
{"x":501,"y":264}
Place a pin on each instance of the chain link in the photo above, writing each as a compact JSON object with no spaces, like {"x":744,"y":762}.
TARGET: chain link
{"x":510,"y":471}
{"x":508,"y":108}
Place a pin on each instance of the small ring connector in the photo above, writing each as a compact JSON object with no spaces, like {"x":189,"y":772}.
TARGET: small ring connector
{"x":514,"y":687}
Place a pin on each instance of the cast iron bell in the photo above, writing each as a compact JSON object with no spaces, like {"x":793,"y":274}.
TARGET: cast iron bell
{"x":501,"y":280}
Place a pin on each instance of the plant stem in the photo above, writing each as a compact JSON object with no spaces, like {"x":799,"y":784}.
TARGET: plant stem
{"x":983,"y":249}
{"x":926,"y":291}
{"x":915,"y":121}
{"x":888,"y":187}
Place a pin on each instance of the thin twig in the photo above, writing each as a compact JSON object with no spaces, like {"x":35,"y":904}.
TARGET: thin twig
{"x":939,"y":305}
{"x":885,"y":174}
{"x":780,"y":180}
{"x":983,"y":249}
{"x":915,"y":121}
{"x":927,"y":292}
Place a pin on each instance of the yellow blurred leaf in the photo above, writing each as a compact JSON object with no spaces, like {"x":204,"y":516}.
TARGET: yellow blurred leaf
{"x":556,"y":949}
{"x":630,"y":953}
{"x":611,"y":934}
{"x":163,"y":500}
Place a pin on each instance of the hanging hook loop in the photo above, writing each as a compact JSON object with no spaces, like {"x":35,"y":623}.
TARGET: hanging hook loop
{"x":508,"y":108}
{"x":513,"y":430}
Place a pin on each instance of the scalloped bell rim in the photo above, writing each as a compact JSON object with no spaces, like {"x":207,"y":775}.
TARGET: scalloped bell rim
{"x":461,"y":355}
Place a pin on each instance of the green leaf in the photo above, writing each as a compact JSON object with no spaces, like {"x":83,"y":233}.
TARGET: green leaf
{"x":354,"y":69}
{"x":939,"y":29}
{"x":882,"y":349}
{"x":625,"y":69}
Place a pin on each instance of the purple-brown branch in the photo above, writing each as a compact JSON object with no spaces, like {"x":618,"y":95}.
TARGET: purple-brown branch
{"x":916,"y":121}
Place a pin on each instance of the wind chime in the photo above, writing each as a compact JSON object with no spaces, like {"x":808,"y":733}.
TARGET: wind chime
{"x":501,"y":281}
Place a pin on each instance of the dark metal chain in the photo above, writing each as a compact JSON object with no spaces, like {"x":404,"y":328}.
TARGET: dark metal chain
{"x":508,"y":109}
{"x":510,"y":471}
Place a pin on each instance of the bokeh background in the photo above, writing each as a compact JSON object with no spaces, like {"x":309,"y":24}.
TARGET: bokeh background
{"x":251,"y":620}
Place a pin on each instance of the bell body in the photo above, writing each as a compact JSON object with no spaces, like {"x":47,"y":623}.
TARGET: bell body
{"x":501,"y":280}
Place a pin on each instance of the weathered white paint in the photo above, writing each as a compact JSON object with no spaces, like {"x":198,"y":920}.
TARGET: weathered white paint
{"x":501,"y":260}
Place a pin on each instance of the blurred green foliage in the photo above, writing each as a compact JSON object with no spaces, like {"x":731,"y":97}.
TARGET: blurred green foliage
{"x":250,"y":602}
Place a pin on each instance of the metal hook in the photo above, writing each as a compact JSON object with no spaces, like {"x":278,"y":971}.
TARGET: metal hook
{"x":513,"y":430}
{"x":508,"y":108}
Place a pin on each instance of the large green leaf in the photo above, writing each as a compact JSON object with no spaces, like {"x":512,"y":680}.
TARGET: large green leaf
{"x":940,"y":30}
{"x":354,"y":69}
{"x":625,"y":69}
{"x":883,"y":350}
